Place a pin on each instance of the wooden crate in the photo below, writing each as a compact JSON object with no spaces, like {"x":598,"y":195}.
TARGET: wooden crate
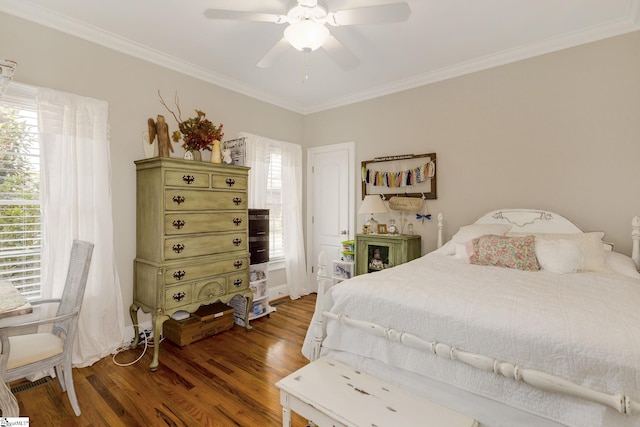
{"x":206,"y":321}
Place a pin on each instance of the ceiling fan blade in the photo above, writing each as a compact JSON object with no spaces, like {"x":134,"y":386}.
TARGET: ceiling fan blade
{"x":240,"y":15}
{"x":343,"y":56}
{"x":394,"y":12}
{"x":274,"y":54}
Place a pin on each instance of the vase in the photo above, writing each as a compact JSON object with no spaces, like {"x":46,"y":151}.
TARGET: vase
{"x":216,"y":154}
{"x":193,"y":155}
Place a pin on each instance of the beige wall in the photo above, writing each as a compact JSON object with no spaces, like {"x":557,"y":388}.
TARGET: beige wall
{"x":559,"y":132}
{"x":52,"y":59}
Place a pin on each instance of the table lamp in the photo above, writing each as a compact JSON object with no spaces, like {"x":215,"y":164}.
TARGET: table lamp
{"x":372,"y":204}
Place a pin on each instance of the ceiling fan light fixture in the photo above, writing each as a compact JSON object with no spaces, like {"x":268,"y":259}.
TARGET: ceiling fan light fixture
{"x":307,"y":35}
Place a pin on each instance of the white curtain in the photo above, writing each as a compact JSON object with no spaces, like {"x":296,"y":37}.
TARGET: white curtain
{"x":257,"y":155}
{"x":76,"y":203}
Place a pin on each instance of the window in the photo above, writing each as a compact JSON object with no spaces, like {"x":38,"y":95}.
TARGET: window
{"x":274,"y":202}
{"x":20,"y":214}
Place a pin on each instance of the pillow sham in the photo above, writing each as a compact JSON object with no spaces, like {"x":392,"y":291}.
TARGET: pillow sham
{"x":470,"y":232}
{"x":590,"y":244}
{"x":462,"y":239}
{"x":503,"y":251}
{"x":621,"y":264}
{"x":449,"y":248}
{"x":558,"y":256}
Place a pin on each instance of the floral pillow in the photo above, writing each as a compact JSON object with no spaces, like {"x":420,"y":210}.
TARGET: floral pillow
{"x":503,"y":251}
{"x":463,"y":238}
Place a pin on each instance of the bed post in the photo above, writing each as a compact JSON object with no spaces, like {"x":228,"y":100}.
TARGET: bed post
{"x":635,"y":235}
{"x":439,"y":244}
{"x":318,"y":320}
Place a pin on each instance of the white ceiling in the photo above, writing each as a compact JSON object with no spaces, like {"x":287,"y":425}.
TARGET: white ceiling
{"x":441,"y":39}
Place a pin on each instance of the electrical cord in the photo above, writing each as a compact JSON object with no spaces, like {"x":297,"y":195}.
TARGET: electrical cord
{"x":128,"y":347}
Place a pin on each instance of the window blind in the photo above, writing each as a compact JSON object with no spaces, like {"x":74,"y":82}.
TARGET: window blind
{"x":20,"y":213}
{"x":274,"y":203}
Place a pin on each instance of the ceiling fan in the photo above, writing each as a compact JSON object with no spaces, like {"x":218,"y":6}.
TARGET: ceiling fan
{"x":307,"y":27}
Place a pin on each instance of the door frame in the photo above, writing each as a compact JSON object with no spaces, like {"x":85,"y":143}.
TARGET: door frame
{"x":311,"y":152}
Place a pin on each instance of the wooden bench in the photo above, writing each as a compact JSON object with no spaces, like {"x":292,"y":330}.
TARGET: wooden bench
{"x":329,"y":393}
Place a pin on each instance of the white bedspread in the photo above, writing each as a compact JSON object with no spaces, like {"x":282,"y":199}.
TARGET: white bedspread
{"x":584,"y":327}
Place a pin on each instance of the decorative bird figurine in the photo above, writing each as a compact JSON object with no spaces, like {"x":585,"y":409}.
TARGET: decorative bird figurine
{"x":423,"y":217}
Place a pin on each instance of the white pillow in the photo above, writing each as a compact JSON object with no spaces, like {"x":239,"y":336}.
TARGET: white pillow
{"x":558,"y":256}
{"x":621,"y":264}
{"x":590,"y":244}
{"x":469,"y":232}
{"x":449,"y":248}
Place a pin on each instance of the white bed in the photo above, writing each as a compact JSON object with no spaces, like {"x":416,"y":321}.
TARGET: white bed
{"x":506,"y":346}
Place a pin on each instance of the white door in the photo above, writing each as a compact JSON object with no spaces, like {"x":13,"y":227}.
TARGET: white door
{"x":330,"y":199}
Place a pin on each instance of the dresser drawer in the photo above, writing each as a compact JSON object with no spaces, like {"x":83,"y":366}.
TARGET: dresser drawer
{"x":181,"y":247}
{"x":207,"y":290}
{"x":202,"y":269}
{"x":186,"y":179}
{"x":229,"y":181}
{"x":258,"y":228}
{"x":189,"y":223}
{"x":210,"y":290}
{"x":259,"y":249}
{"x":179,"y":295}
{"x":198,"y":200}
{"x":238,"y":282}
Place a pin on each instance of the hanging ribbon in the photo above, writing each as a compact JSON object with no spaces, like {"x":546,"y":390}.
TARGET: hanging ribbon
{"x":403,"y":178}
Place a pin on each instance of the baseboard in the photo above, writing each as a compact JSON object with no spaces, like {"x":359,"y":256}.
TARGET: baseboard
{"x":278,"y":292}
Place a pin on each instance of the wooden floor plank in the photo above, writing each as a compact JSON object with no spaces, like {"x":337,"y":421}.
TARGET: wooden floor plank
{"x":224,"y":380}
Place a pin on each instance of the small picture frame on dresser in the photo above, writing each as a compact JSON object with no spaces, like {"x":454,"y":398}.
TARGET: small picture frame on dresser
{"x":382,"y":228}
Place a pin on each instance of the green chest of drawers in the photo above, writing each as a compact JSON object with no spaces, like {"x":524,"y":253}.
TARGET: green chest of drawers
{"x":191,"y":238}
{"x":375,"y":252}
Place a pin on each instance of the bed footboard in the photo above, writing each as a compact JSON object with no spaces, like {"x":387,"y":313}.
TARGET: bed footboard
{"x":317,"y":322}
{"x":542,"y":380}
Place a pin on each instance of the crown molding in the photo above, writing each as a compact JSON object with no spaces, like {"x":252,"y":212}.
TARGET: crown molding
{"x":614,"y":28}
{"x":28,"y":11}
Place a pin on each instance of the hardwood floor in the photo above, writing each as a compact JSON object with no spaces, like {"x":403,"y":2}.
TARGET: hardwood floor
{"x":224,"y":380}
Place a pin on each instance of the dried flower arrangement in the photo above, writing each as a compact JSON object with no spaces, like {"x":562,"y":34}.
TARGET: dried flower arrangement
{"x":197,"y":133}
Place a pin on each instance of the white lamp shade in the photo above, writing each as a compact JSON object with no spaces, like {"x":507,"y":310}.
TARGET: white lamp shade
{"x":306,"y":35}
{"x":372,"y":204}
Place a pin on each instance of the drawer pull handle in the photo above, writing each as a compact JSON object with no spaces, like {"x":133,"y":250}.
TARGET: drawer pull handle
{"x":188,"y":179}
{"x":260,"y":233}
{"x":237,"y":200}
{"x":178,"y":224}
{"x":260,"y":250}
{"x":237,"y":221}
{"x":237,"y":283}
{"x":178,"y":199}
{"x":179,"y":296}
{"x":237,"y":264}
{"x":237,"y":242}
{"x":178,"y":247}
{"x":179,"y":275}
{"x":230,"y":182}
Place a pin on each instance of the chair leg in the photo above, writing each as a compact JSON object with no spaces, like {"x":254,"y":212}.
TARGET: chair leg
{"x":8,"y":402}
{"x":60,"y":376}
{"x":71,"y":391}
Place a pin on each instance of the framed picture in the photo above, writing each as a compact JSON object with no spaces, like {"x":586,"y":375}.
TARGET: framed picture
{"x":234,"y":152}
{"x":408,"y":175}
{"x":382,"y":228}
